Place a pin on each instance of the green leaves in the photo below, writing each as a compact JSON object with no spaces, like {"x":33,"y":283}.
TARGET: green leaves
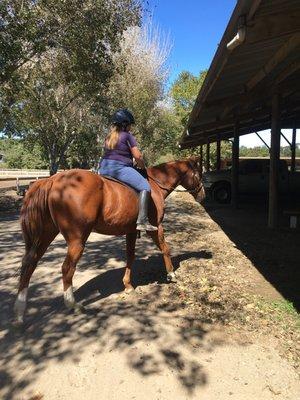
{"x":19,"y":155}
{"x":184,"y":92}
{"x":56,"y":64}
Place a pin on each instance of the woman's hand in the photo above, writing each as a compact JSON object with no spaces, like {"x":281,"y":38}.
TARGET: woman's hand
{"x":138,"y":157}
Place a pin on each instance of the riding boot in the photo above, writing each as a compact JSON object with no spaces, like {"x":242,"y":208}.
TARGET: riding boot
{"x":142,"y":223}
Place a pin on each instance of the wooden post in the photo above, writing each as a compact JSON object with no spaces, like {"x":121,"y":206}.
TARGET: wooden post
{"x":201,"y":157}
{"x":293,"y":148}
{"x":207,"y":165}
{"x":218,"y":155}
{"x":235,"y":167}
{"x":274,"y":162}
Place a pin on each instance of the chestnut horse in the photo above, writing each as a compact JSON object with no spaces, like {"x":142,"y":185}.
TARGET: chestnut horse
{"x":77,"y":202}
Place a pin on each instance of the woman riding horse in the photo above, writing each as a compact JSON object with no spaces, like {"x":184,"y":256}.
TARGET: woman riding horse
{"x":117,"y":162}
{"x":78,"y":202}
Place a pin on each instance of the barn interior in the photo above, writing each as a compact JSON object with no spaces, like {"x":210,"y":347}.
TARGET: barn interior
{"x":253,"y":84}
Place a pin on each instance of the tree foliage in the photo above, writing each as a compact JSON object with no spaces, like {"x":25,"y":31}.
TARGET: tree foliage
{"x":18,"y":154}
{"x":52,"y":113}
{"x":263,"y":151}
{"x":57,"y":61}
{"x":87,"y":31}
{"x":184,"y":92}
{"x":139,"y":82}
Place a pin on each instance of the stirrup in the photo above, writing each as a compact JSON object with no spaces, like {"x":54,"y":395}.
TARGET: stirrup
{"x":146,"y":226}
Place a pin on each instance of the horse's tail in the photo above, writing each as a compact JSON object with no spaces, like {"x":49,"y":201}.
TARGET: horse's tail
{"x":35,"y":211}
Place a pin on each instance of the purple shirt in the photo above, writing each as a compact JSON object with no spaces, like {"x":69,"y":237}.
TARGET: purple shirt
{"x":122,"y":150}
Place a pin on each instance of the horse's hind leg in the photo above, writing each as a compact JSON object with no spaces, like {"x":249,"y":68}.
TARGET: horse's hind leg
{"x":29,"y":263}
{"x":75,"y":250}
{"x":159,"y":239}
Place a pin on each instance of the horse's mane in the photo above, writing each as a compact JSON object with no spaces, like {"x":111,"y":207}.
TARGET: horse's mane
{"x":175,"y":164}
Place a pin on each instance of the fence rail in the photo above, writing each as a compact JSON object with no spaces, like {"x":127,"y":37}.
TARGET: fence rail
{"x":20,"y":173}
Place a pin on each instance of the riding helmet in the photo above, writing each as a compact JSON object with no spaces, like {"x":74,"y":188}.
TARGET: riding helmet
{"x":122,"y":117}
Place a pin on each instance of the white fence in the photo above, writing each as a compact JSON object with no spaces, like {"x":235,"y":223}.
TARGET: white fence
{"x":22,"y":173}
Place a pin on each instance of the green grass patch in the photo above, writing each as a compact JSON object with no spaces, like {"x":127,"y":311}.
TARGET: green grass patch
{"x":280,"y":310}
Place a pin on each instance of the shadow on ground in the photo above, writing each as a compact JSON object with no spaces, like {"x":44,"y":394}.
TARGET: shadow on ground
{"x":151,"y":318}
{"x":274,"y":253}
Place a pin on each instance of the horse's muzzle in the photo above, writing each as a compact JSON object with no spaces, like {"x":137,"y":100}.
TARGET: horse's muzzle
{"x":200,"y":196}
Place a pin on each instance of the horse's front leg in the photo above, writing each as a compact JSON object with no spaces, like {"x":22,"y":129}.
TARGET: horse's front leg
{"x":130,"y":253}
{"x":159,"y":240}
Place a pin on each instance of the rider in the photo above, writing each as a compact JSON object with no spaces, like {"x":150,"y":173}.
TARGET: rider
{"x":119,"y":150}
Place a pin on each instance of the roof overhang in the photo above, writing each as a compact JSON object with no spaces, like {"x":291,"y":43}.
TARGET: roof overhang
{"x":259,"y":55}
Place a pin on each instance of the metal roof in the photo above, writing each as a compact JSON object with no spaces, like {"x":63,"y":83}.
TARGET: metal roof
{"x":240,"y":81}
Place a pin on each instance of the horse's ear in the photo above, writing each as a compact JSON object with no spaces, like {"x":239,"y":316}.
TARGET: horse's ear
{"x":196,"y":161}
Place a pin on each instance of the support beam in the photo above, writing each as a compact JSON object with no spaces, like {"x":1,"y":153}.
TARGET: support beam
{"x":235,"y":167}
{"x":291,"y":69}
{"x":218,"y":155}
{"x":293,"y":148}
{"x":201,"y":157}
{"x":265,"y":143}
{"x":253,"y":9}
{"x":286,"y":139}
{"x":207,"y":164}
{"x":270,"y":26}
{"x":274,"y":162}
{"x":227,"y":133}
{"x":289,"y":46}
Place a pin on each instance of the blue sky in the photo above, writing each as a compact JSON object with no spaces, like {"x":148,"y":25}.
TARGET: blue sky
{"x":195,"y":28}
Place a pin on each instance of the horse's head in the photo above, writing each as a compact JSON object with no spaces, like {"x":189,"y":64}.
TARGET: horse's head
{"x":192,"y":179}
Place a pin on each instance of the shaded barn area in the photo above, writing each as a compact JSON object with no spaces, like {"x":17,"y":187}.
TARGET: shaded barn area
{"x":274,"y":253}
{"x":253,"y":84}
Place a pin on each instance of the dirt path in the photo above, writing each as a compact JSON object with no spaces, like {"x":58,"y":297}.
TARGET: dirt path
{"x":198,"y":339}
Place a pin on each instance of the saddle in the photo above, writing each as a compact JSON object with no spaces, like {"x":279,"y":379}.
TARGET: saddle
{"x":110,"y":178}
{"x":142,"y":172}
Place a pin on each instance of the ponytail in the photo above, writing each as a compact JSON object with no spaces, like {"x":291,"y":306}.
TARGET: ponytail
{"x":113,"y":137}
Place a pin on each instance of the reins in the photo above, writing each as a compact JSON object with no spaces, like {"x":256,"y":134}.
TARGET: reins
{"x":169,"y":189}
{"x":173,"y":188}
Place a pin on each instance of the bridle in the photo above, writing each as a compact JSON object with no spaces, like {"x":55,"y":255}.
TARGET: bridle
{"x":198,"y":186}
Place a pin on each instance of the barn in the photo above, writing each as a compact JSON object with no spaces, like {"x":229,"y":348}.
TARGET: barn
{"x":253,"y":84}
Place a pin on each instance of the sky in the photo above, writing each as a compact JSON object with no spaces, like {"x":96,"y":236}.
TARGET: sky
{"x":195,"y":28}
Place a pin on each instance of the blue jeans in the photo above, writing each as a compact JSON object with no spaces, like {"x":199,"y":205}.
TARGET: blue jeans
{"x":124,"y":173}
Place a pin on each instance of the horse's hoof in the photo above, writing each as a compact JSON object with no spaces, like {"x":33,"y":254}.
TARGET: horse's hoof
{"x":69,"y":305}
{"x":17,"y":325}
{"x":171,"y":277}
{"x":74,"y":307}
{"x":79,"y":308}
{"x":129,"y":290}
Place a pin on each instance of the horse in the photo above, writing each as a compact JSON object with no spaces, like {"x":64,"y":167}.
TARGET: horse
{"x":77,"y":202}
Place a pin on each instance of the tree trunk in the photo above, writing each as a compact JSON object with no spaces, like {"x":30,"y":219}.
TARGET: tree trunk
{"x":53,"y":166}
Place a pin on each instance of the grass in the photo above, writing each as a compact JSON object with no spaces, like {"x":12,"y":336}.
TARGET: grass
{"x":280,"y":310}
{"x":285,"y":306}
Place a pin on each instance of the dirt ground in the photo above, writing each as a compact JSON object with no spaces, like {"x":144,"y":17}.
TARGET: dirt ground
{"x":11,"y":184}
{"x":225,"y":330}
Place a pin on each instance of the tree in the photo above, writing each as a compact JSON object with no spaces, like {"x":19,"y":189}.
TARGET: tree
{"x":184,"y":92}
{"x":85,"y":151}
{"x":17,"y":154}
{"x":55,"y":91}
{"x":258,"y":151}
{"x":52,"y":113}
{"x":138,"y":84}
{"x":87,"y":31}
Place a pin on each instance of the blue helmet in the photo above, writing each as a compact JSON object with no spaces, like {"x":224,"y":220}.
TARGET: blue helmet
{"x":122,"y":117}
